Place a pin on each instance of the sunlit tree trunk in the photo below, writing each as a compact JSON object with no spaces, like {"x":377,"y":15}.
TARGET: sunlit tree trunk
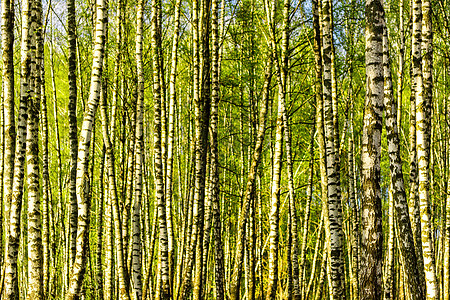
{"x":400,"y":203}
{"x":274,"y":217}
{"x":423,"y":95}
{"x":9,"y":133}
{"x":335,"y":253}
{"x":73,"y":127}
{"x":372,"y":251}
{"x":46,"y":191}
{"x":157,"y":137}
{"x":214,"y":171}
{"x":34,"y":241}
{"x":416,"y":70}
{"x":203,"y":107}
{"x":79,"y":267}
{"x":170,"y":139}
{"x":139,"y":152}
{"x":13,"y":233}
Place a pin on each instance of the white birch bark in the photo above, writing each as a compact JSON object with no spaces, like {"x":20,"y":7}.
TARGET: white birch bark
{"x":82,"y":188}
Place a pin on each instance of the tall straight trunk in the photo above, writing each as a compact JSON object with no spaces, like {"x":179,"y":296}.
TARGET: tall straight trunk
{"x":34,"y":241}
{"x":214,"y":171}
{"x":203,"y":107}
{"x":335,"y":253}
{"x":13,"y":234}
{"x":274,"y":217}
{"x":251,"y":184}
{"x":79,"y":267}
{"x":165,"y":290}
{"x":46,"y":191}
{"x":405,"y":236}
{"x":282,"y":78}
{"x":251,"y":232}
{"x":414,"y":207}
{"x":170,"y":138}
{"x":281,"y":128}
{"x":139,"y":152}
{"x":73,"y":127}
{"x":9,"y":134}
{"x":372,"y":242}
{"x":423,"y":95}
{"x":319,"y":95}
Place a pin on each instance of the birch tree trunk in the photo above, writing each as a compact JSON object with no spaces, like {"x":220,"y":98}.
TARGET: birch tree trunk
{"x":416,"y":70}
{"x":423,"y":95}
{"x":46,"y":189}
{"x":214,"y":172}
{"x":157,"y":138}
{"x":73,"y":127}
{"x":13,"y":233}
{"x":202,"y":110}
{"x":372,"y":251}
{"x":139,"y":152}
{"x":170,"y":138}
{"x":8,"y":110}
{"x":34,"y":241}
{"x":335,"y":253}
{"x":287,"y":139}
{"x":82,"y":188}
{"x":405,"y":235}
{"x":274,"y":217}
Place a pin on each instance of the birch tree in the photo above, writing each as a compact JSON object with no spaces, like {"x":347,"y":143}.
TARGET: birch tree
{"x":371,"y":277}
{"x":405,"y":236}
{"x":139,"y":152}
{"x":73,"y":128}
{"x":336,"y":264}
{"x":13,"y":233}
{"x":82,"y":188}
{"x":423,"y":96}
